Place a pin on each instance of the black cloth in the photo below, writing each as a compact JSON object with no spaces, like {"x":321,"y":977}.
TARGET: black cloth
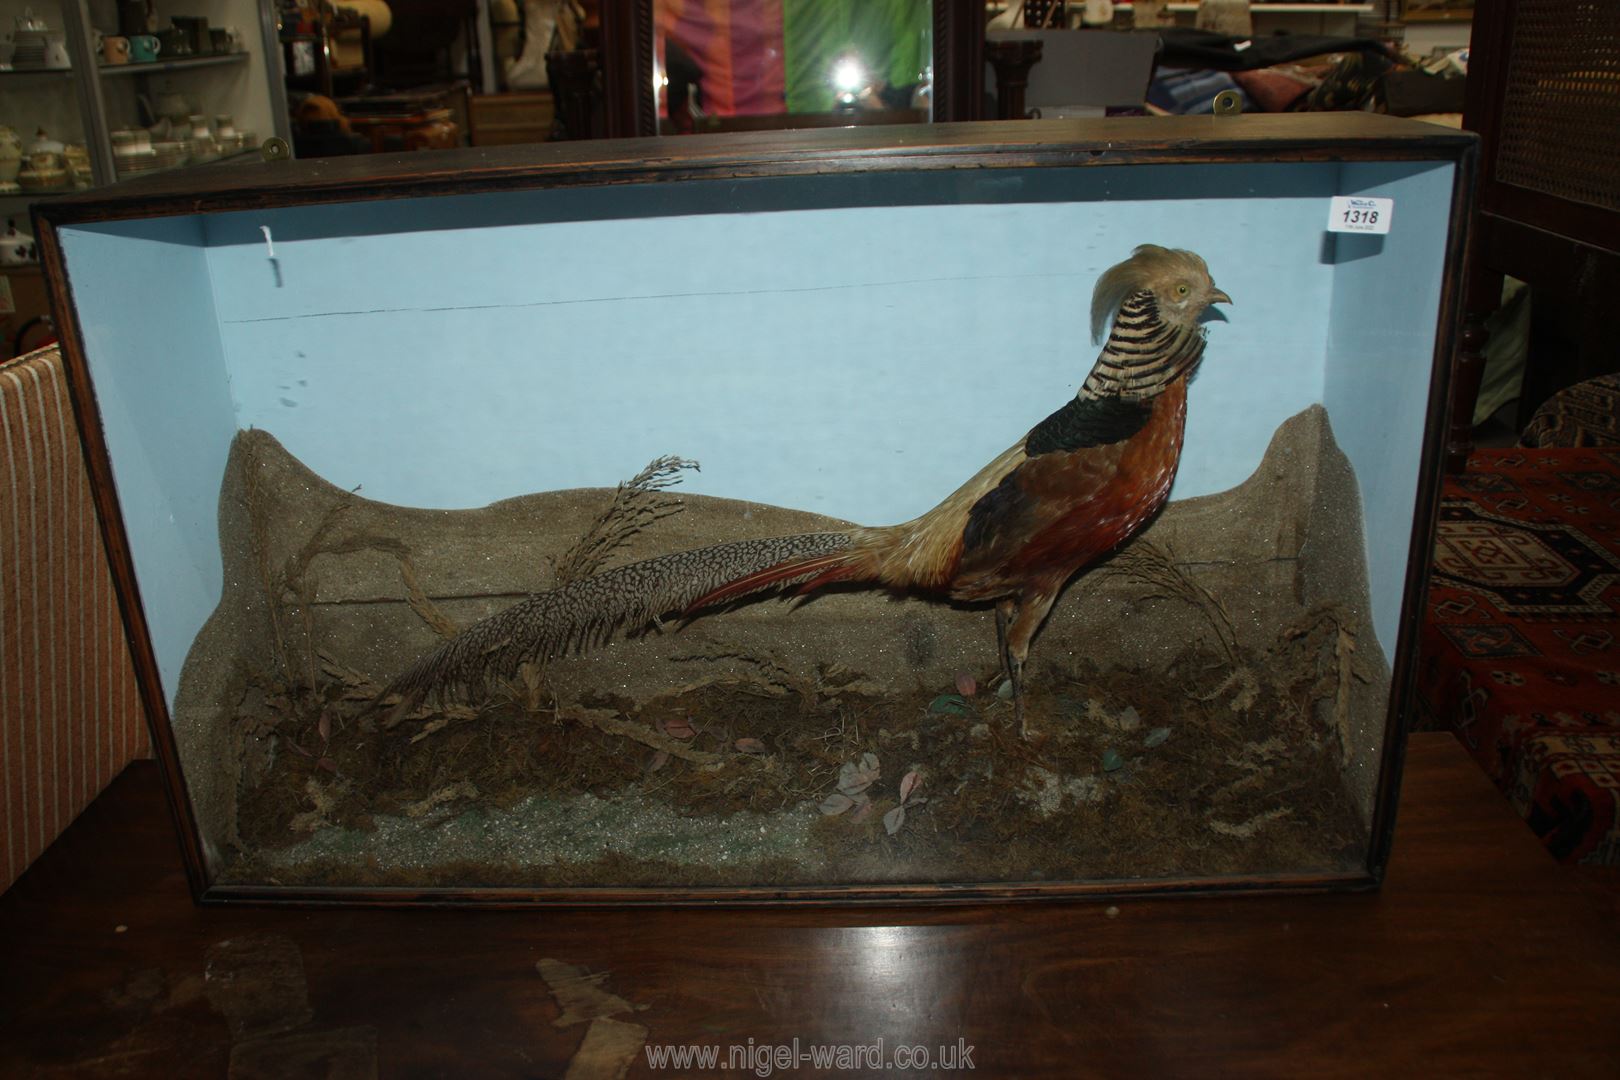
{"x":1413,"y":93}
{"x":1184,"y":47}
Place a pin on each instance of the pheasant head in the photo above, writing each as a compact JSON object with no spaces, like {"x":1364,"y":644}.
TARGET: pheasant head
{"x":1179,"y":281}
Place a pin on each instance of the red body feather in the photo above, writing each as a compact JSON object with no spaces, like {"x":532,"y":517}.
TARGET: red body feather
{"x":1076,"y":506}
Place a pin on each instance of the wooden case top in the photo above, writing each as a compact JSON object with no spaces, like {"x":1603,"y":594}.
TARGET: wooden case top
{"x":1001,"y":144}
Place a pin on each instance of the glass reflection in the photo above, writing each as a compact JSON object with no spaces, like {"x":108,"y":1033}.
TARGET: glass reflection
{"x":744,"y":65}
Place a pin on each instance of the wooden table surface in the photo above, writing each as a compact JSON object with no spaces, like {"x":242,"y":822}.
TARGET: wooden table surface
{"x":1479,"y":957}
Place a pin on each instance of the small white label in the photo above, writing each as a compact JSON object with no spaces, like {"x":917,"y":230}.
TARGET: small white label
{"x":1360,"y":214}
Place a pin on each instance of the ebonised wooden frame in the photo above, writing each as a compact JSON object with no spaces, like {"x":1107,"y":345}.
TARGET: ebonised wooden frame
{"x":630,"y":107}
{"x":998,"y":145}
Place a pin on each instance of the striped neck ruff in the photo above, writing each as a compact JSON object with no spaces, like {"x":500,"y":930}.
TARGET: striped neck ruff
{"x":1144,"y":354}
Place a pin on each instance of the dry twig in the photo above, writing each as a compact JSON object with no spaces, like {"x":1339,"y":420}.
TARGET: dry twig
{"x":636,"y":505}
{"x":1154,"y":566}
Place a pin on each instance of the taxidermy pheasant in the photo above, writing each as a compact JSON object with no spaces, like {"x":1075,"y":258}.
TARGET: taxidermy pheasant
{"x":1081,"y":483}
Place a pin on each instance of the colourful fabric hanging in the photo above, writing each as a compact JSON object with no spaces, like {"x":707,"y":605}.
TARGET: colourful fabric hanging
{"x":738,"y":46}
{"x":764,"y":57}
{"x":892,"y":39}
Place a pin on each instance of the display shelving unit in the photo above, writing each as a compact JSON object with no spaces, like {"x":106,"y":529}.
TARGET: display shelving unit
{"x":85,"y":102}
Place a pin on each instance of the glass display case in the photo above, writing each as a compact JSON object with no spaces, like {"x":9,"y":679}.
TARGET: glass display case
{"x":1061,"y":529}
{"x":97,"y":91}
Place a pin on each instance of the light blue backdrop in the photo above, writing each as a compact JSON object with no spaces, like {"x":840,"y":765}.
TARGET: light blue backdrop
{"x":856,"y":361}
{"x":146,"y":309}
{"x":855,"y":346}
{"x":1386,"y":300}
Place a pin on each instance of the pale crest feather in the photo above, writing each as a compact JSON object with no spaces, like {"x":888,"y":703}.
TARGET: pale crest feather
{"x":1148,"y":264}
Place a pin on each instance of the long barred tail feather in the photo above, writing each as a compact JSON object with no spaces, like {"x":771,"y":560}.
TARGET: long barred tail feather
{"x":806,"y":572}
{"x":586,"y":612}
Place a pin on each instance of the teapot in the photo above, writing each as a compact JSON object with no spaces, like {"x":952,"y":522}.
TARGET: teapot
{"x":28,"y":23}
{"x":16,"y":246}
{"x":169,"y":104}
{"x":28,"y":40}
{"x":45,"y":152}
{"x":56,"y":52}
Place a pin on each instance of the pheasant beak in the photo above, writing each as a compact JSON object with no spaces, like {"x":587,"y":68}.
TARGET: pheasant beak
{"x":1219,"y":297}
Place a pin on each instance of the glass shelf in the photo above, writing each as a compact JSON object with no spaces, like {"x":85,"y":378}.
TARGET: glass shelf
{"x":12,"y":204}
{"x":26,"y":71}
{"x":42,"y":193}
{"x":180,"y":64}
{"x":221,"y":160}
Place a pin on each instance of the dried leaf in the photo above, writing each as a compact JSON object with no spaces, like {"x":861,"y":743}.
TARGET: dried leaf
{"x":1005,"y":690}
{"x":324,"y":726}
{"x":894,"y":819}
{"x":1156,"y":737}
{"x":863,"y":809}
{"x":678,"y":728}
{"x":951,"y":704}
{"x":436,"y":724}
{"x":1111,"y":761}
{"x":836,"y":804}
{"x":908,"y":784}
{"x":965,"y":684}
{"x":750,"y":746}
{"x":464,"y":789}
{"x":856,"y":776}
{"x":1245,"y":830}
{"x":659,"y":760}
{"x":610,"y":722}
{"x":308,"y":821}
{"x":1248,"y":690}
{"x":328,"y":764}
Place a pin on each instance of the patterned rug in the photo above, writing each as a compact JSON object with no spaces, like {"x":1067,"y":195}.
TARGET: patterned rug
{"x":1521,"y":650}
{"x":1586,"y":414}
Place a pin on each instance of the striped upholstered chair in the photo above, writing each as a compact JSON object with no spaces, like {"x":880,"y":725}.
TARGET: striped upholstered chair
{"x":70,"y":719}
